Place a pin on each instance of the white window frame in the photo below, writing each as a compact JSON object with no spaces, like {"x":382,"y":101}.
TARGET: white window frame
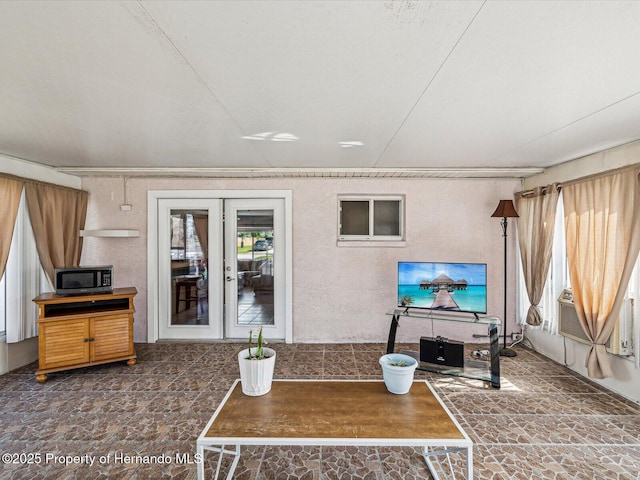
{"x":3,"y":307}
{"x":558,"y":279}
{"x":371,"y":199}
{"x":23,"y":280}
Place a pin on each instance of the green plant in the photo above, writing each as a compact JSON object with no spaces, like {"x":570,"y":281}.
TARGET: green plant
{"x":406,"y":301}
{"x":259,"y":351}
{"x":399,"y":363}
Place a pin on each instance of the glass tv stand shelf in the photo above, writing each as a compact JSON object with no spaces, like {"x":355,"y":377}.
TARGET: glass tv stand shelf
{"x":488,"y":371}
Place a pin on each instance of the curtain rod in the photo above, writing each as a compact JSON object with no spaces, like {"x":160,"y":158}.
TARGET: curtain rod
{"x":602,"y":174}
{"x":38,"y":182}
{"x":540,"y":190}
{"x":543,"y":189}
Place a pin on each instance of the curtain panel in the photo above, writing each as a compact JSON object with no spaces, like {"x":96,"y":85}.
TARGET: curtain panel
{"x":57,"y":216}
{"x":10,"y":193}
{"x":536,"y":224}
{"x":201,"y":223}
{"x":602,"y":221}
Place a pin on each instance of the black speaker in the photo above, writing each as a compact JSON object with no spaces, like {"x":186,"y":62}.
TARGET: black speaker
{"x":442,"y":351}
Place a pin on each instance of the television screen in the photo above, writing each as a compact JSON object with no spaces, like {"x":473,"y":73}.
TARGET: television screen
{"x":455,"y":287}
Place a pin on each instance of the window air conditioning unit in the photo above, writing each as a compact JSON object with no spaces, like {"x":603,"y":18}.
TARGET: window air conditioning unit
{"x":620,"y":341}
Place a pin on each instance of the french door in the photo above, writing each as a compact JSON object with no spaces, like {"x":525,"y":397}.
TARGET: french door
{"x":254,"y":266}
{"x":222,"y":268}
{"x":190,"y":261}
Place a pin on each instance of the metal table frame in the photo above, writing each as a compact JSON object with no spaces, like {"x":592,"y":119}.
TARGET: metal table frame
{"x":230,"y":445}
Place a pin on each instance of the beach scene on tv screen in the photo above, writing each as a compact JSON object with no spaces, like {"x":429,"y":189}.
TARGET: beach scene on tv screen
{"x":458,"y":287}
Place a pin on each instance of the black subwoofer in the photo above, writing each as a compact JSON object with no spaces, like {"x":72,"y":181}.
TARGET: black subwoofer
{"x":442,"y":351}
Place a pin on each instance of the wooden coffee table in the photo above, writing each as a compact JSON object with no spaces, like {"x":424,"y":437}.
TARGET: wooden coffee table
{"x":328,"y":412}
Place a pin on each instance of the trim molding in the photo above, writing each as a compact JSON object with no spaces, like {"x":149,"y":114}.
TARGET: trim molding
{"x":304,"y":172}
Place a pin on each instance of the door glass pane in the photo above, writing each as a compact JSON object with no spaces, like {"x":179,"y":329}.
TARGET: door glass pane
{"x":255,"y":240}
{"x":355,"y":217}
{"x":189,"y":253}
{"x":386,"y":217}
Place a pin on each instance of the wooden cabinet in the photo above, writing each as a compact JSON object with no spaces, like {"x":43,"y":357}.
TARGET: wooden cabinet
{"x":63,"y":343}
{"x":85,"y":330}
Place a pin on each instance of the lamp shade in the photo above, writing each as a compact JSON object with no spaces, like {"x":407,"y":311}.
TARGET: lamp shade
{"x":505,"y":209}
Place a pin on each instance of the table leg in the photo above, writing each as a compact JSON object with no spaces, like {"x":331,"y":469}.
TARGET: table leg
{"x":426,"y":454}
{"x":494,"y":350}
{"x":178,"y":289}
{"x":391,"y":342}
{"x":235,"y":463}
{"x":189,"y":297}
{"x":221,"y":450}
{"x":200,"y":467}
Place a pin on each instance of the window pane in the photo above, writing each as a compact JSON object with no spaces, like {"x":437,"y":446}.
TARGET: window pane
{"x":3,"y":308}
{"x":194,"y":249}
{"x":355,"y":218}
{"x":190,"y":305}
{"x":386,"y":217}
{"x":177,"y":231}
{"x":256,"y":266}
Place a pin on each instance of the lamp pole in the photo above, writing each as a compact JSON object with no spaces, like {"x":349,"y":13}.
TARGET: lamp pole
{"x":504,"y":351}
{"x":505,"y":209}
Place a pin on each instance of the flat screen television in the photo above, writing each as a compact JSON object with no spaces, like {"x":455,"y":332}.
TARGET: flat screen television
{"x":453,"y":287}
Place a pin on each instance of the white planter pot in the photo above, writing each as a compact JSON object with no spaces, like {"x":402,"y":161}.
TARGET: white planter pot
{"x":398,"y":379}
{"x":256,"y":375}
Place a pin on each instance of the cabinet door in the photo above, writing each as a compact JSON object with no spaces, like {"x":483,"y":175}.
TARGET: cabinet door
{"x":112,"y":337}
{"x":64,"y":342}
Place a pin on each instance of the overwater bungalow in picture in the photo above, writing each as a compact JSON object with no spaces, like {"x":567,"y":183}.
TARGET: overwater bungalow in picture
{"x":443,"y":282}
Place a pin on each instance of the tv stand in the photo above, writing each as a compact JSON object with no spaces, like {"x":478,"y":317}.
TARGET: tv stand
{"x":84,"y":330}
{"x":473,"y":368}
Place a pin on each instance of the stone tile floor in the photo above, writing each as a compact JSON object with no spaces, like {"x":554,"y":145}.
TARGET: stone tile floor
{"x":544,"y":423}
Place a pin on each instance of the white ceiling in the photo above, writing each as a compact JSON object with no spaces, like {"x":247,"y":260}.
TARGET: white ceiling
{"x":464,"y":88}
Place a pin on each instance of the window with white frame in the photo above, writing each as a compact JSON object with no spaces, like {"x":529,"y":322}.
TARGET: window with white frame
{"x":370,"y":217}
{"x":3,"y":306}
{"x":23,"y":280}
{"x":558,"y":279}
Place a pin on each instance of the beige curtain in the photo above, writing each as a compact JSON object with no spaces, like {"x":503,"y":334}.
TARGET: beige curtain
{"x":536,"y":221}
{"x":57,"y":216}
{"x":202,"y":230}
{"x":602,"y":220}
{"x":10,"y":192}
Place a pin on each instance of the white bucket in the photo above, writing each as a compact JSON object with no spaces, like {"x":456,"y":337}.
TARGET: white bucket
{"x":256,"y":376}
{"x":398,"y":379}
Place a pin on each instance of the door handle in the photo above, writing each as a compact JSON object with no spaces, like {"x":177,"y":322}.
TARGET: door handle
{"x":230,"y":279}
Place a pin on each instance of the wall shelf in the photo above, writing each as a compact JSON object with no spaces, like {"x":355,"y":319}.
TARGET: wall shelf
{"x":110,"y":233}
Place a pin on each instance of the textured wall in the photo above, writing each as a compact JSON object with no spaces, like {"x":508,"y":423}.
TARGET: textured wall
{"x":339,"y":293}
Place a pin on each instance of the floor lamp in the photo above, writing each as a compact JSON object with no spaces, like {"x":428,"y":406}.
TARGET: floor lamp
{"x":505,"y":210}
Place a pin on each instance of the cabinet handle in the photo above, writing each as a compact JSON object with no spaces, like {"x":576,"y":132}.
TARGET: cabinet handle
{"x":86,"y":340}
{"x":92,"y":339}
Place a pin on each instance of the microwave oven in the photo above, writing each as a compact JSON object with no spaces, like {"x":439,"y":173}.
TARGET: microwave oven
{"x":83,"y":280}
